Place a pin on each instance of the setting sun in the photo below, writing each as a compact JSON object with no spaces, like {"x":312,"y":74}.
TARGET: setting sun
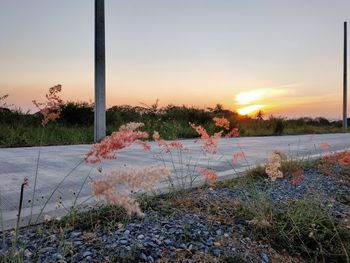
{"x":247,"y":98}
{"x":249,"y":109}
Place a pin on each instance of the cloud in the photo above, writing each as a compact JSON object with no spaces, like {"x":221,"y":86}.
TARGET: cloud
{"x":250,"y":109}
{"x":262,"y":95}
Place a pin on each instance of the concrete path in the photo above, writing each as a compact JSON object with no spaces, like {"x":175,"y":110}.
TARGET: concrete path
{"x":57,"y":161}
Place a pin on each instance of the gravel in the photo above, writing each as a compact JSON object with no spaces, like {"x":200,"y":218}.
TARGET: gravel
{"x":184,"y":231}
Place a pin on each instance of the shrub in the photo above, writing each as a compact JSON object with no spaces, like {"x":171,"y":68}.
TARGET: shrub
{"x":77,"y":113}
{"x":278,"y":126}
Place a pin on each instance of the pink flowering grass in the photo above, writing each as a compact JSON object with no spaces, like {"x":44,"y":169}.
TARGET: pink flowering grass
{"x":51,"y":109}
{"x":209,"y":175}
{"x":222,"y":122}
{"x":324,"y":146}
{"x":297,"y":177}
{"x":210,"y":142}
{"x":175,"y":151}
{"x":116,"y":187}
{"x":233,"y":133}
{"x":166,"y":145}
{"x":124,"y":137}
{"x":237,"y":156}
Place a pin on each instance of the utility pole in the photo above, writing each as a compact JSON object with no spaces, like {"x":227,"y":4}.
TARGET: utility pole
{"x":100,"y":72}
{"x":345,"y":93}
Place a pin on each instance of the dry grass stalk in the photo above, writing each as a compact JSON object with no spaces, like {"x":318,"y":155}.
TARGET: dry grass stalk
{"x":274,"y":165}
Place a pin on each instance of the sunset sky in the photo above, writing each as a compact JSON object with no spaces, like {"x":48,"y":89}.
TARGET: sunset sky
{"x":284,"y":57}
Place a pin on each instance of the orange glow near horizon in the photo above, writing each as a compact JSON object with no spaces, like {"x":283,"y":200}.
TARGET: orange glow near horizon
{"x":250,"y":109}
{"x":284,"y":100}
{"x":248,"y":98}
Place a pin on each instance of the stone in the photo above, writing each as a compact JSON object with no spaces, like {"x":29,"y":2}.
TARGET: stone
{"x":75,"y":234}
{"x":143,"y":256}
{"x":150,"y":259}
{"x":28,"y":253}
{"x":216,"y":252}
{"x":264,"y":258}
{"x":124,"y":242}
{"x":87,"y":254}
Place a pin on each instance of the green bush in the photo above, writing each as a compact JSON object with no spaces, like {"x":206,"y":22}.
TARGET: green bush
{"x":77,"y":113}
{"x":278,"y":126}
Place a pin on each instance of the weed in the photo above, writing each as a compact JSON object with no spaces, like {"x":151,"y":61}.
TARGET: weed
{"x":105,"y":216}
{"x":23,"y":185}
{"x":278,"y":125}
{"x":305,"y":227}
{"x":12,"y":256}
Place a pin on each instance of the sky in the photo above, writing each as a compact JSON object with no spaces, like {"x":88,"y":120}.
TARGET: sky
{"x":284,"y":57}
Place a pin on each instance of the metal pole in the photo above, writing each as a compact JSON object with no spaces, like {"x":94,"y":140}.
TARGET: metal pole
{"x":345,"y":95}
{"x":100,"y":75}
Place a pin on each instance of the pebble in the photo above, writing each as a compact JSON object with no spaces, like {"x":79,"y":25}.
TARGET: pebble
{"x":78,"y":243}
{"x":47,"y":249}
{"x":124,"y":242}
{"x":172,"y":230}
{"x":87,"y":254}
{"x":143,"y":256}
{"x":28,"y":253}
{"x":216,"y":252}
{"x":150,"y":259}
{"x":58,"y":256}
{"x":209,"y":242}
{"x":168,"y":242}
{"x":75,"y":234}
{"x":264,"y":258}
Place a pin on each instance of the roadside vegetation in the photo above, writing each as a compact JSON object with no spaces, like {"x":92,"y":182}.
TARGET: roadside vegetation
{"x":75,"y":125}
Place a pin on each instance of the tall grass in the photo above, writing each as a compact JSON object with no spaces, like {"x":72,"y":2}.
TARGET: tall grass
{"x":75,"y":125}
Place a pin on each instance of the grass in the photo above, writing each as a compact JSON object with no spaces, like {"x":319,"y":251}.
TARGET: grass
{"x":87,"y":218}
{"x":300,"y":227}
{"x":58,"y":134}
{"x":75,"y":125}
{"x":55,"y":134}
